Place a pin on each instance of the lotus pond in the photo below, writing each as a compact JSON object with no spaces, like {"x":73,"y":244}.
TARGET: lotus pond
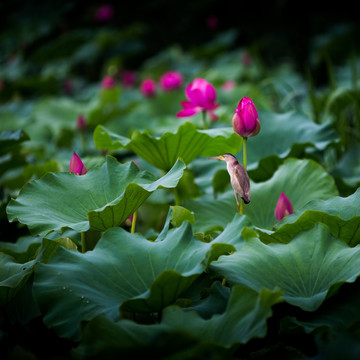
{"x":121,"y":238}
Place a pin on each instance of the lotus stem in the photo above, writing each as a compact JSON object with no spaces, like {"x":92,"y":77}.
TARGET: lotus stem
{"x":83,"y":242}
{"x":204,"y":119}
{"x":245,"y":165}
{"x":133,"y":223}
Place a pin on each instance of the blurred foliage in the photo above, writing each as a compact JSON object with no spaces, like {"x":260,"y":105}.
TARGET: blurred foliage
{"x":195,"y":281}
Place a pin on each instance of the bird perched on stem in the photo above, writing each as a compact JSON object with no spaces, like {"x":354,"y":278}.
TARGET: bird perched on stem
{"x":239,"y":178}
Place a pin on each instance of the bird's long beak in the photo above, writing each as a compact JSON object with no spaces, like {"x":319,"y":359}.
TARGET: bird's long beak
{"x":220,"y":157}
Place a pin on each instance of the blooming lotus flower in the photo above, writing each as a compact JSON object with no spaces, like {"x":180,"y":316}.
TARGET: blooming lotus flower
{"x":76,"y":165}
{"x":148,"y":87}
{"x":201,"y":96}
{"x":171,"y":80}
{"x":283,"y":207}
{"x":246,"y":121}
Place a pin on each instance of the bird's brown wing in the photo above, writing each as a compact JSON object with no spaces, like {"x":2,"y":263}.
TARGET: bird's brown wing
{"x":243,"y":188}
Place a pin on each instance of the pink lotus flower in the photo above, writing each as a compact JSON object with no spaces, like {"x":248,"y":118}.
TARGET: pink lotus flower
{"x":108,"y":82}
{"x":81,"y":122}
{"x":171,"y":80}
{"x":246,"y":121}
{"x":76,"y":165}
{"x":201,"y":96}
{"x":148,"y":87}
{"x":104,"y":13}
{"x":283,"y":207}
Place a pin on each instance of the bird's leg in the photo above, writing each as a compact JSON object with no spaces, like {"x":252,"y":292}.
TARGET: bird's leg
{"x":237,"y":202}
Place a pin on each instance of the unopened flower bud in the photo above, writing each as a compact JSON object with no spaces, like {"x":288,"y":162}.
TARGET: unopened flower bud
{"x":283,"y":207}
{"x":246,"y":121}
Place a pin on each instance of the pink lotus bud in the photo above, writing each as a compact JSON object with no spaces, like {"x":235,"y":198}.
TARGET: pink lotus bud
{"x":171,"y":80}
{"x":81,"y":122}
{"x":108,"y":82}
{"x":245,"y":121}
{"x":201,"y":96}
{"x":148,"y":87}
{"x":104,"y":13}
{"x":283,"y":207}
{"x":76,"y":165}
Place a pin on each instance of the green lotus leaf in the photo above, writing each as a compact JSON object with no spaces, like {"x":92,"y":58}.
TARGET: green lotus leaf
{"x":124,"y":270}
{"x":301,"y":180}
{"x":98,"y":200}
{"x":181,"y":332}
{"x":187,"y":143}
{"x":12,"y":274}
{"x":286,"y":135}
{"x":11,"y":139}
{"x":50,"y":116}
{"x":17,"y":263}
{"x":306,"y":270}
{"x":341,"y":215}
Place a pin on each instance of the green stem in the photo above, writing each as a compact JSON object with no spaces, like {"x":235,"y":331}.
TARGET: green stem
{"x":245,"y":165}
{"x":204,"y":119}
{"x":83,"y":242}
{"x":176,"y":196}
{"x":133,"y":223}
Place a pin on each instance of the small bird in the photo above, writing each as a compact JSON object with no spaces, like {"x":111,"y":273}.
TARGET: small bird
{"x":239,"y":178}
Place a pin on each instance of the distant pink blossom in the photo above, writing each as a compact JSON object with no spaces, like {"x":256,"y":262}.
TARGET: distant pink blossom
{"x":283,"y":207}
{"x":228,"y":85}
{"x":128,"y":78}
{"x":171,"y":80}
{"x":148,"y":87}
{"x":108,"y":82}
{"x":246,"y":59}
{"x":76,"y":165}
{"x":81,"y":122}
{"x":212,"y":22}
{"x":104,"y":13}
{"x":68,"y":87}
{"x":201,"y":96}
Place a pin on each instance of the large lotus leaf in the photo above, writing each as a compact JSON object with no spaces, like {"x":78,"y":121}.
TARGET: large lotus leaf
{"x":347,"y":170}
{"x":98,"y":200}
{"x":181,"y":332}
{"x":338,"y":314}
{"x":301,"y":180}
{"x":341,"y":215}
{"x":52,"y":115}
{"x":306,"y":269}
{"x":11,"y":139}
{"x":16,"y":267}
{"x":12,"y":274}
{"x":124,"y":270}
{"x":285,"y":135}
{"x":162,"y":152}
